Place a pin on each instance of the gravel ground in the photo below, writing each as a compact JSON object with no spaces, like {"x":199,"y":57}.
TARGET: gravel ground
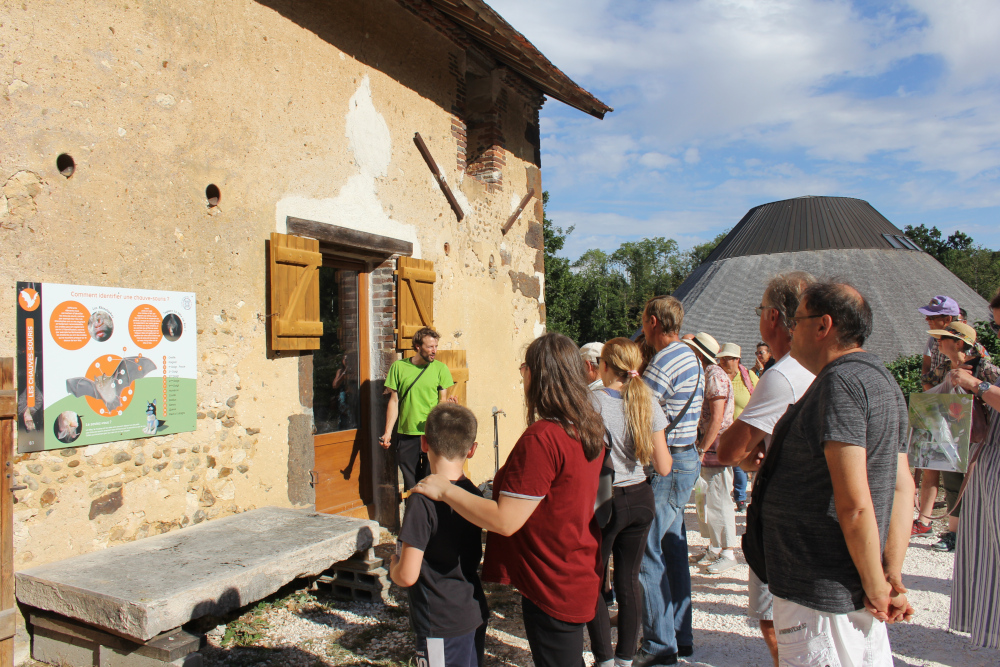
{"x":309,"y":629}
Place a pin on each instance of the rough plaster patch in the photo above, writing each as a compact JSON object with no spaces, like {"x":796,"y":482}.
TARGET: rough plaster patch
{"x":539,"y":329}
{"x":357,"y":205}
{"x":367,"y":133}
{"x":165,"y":101}
{"x":16,"y":86}
{"x":515,"y":199}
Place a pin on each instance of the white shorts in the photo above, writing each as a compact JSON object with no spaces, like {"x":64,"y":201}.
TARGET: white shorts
{"x":810,"y":638}
{"x":759,"y":602}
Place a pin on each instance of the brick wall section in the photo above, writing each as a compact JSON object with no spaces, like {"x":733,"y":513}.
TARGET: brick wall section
{"x":482,"y":139}
{"x":383,"y":295}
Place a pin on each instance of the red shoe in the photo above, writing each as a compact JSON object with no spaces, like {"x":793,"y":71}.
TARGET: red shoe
{"x":919,"y":528}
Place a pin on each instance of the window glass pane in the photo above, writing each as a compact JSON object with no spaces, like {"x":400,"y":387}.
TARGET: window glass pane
{"x":336,"y":375}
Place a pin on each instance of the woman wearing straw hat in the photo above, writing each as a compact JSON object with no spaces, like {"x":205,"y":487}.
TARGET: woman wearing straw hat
{"x":743,"y":385}
{"x":716,"y":417}
{"x":956,"y":341}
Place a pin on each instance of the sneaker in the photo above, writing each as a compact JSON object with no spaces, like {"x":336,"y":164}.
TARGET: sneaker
{"x":741,"y":506}
{"x":708,"y":558}
{"x":920,"y":528}
{"x":947,"y":542}
{"x":703,"y":557}
{"x":643,"y":659}
{"x":721,"y":565}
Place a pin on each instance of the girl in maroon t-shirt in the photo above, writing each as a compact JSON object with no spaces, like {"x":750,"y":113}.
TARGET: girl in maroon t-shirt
{"x":551,"y":555}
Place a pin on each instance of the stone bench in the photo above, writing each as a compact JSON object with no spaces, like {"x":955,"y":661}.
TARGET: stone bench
{"x":124,"y":606}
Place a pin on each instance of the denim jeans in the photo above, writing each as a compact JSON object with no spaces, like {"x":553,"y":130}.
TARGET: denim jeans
{"x":739,"y":484}
{"x":665,"y":578}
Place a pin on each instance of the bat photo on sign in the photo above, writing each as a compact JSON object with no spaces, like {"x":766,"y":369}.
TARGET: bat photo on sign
{"x":108,"y":388}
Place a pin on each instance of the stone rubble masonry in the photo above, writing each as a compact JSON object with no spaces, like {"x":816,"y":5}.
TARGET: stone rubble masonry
{"x":151,"y":116}
{"x":150,"y":586}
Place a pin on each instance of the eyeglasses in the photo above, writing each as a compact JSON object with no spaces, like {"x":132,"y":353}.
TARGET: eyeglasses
{"x":760,"y":309}
{"x":796,"y":320}
{"x":759,"y":353}
{"x":523,"y":367}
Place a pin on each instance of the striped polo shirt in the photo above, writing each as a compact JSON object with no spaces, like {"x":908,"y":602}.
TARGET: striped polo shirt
{"x":672,"y":375}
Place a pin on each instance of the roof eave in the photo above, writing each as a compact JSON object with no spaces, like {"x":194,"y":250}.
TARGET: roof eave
{"x":511,"y":48}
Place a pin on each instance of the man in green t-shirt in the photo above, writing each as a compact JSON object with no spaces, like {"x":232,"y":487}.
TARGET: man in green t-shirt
{"x":415,"y":386}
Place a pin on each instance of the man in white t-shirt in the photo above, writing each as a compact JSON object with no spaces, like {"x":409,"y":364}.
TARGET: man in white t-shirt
{"x":780,"y":386}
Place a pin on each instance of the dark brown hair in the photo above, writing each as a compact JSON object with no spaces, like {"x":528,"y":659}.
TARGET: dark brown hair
{"x":450,"y":430}
{"x":558,"y":391}
{"x":422,"y":333}
{"x":995,"y":301}
{"x":847,"y":308}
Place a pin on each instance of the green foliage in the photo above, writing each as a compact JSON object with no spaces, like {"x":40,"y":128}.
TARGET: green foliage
{"x":601,"y":295}
{"x":977,"y":266}
{"x":985,"y":335}
{"x":906,"y":370}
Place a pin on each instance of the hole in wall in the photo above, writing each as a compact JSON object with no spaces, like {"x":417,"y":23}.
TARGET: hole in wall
{"x":66,"y":165}
{"x":447,"y":248}
{"x":212,"y":194}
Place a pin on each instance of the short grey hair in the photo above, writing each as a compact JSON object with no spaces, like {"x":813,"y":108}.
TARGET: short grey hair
{"x":784,"y":291}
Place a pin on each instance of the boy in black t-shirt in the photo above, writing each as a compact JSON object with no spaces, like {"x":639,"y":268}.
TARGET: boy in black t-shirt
{"x":439,"y":553}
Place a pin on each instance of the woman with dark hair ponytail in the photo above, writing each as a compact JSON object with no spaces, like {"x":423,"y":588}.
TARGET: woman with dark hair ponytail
{"x":550,"y":555}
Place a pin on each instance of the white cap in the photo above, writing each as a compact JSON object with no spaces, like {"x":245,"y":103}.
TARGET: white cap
{"x":591,"y":352}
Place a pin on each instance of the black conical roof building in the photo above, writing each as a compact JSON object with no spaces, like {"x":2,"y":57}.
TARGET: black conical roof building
{"x":830,"y":237}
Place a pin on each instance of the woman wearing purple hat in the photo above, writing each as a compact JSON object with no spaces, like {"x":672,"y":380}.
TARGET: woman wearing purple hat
{"x":939,"y":313}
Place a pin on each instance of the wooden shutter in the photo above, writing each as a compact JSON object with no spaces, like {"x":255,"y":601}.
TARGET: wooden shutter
{"x":455,"y":361}
{"x":414,"y":298}
{"x":294,"y":264}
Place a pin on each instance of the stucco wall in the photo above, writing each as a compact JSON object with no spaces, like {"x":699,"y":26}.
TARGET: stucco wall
{"x":307,"y":112}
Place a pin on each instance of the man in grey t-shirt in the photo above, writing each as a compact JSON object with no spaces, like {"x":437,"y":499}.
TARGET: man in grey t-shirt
{"x":837,"y":509}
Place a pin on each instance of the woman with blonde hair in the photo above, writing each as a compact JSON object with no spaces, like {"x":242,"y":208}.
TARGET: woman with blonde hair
{"x":634,"y":422}
{"x":549,"y":555}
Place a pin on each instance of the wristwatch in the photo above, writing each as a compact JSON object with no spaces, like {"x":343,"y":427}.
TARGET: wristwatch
{"x":982,"y":389}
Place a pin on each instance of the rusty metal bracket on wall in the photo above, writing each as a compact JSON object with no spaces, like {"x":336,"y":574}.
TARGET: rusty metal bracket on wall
{"x":429,"y":159}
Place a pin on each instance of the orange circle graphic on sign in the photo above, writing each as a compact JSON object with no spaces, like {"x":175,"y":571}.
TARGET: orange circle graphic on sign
{"x":28,"y":298}
{"x":144,"y":326}
{"x":102,"y":373}
{"x":68,"y":325}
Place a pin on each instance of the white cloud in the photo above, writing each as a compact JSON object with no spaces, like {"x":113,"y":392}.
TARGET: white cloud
{"x":810,"y":94}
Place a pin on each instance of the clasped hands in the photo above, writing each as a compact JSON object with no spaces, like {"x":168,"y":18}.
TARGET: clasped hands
{"x":889,"y":604}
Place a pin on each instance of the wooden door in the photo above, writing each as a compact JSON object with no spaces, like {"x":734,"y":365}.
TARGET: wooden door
{"x":8,"y":420}
{"x":340,"y":388}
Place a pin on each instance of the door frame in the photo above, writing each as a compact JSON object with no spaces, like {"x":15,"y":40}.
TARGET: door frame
{"x":361,"y":437}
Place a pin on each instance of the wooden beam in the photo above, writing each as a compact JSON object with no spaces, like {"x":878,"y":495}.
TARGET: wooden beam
{"x":429,"y":159}
{"x":517,"y":212}
{"x":351,"y":240}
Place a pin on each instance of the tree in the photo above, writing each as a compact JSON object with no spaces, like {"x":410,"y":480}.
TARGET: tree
{"x":562,"y":293}
{"x":601,"y":295}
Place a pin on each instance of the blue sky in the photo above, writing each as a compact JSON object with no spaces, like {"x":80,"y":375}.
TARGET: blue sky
{"x":721,"y":105}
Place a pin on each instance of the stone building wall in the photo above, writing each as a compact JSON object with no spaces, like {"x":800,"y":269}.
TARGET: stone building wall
{"x":304,"y":109}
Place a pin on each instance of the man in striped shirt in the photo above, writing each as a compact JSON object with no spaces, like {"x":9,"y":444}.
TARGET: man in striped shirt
{"x":675,"y":376}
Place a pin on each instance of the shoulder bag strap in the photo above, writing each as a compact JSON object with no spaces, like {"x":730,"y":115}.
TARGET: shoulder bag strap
{"x":680,"y":415}
{"x":403,"y":394}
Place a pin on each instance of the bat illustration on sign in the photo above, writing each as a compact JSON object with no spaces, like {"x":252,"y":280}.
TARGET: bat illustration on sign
{"x":108,"y":388}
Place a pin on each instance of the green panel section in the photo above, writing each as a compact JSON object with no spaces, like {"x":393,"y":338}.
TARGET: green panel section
{"x":180,"y":414}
